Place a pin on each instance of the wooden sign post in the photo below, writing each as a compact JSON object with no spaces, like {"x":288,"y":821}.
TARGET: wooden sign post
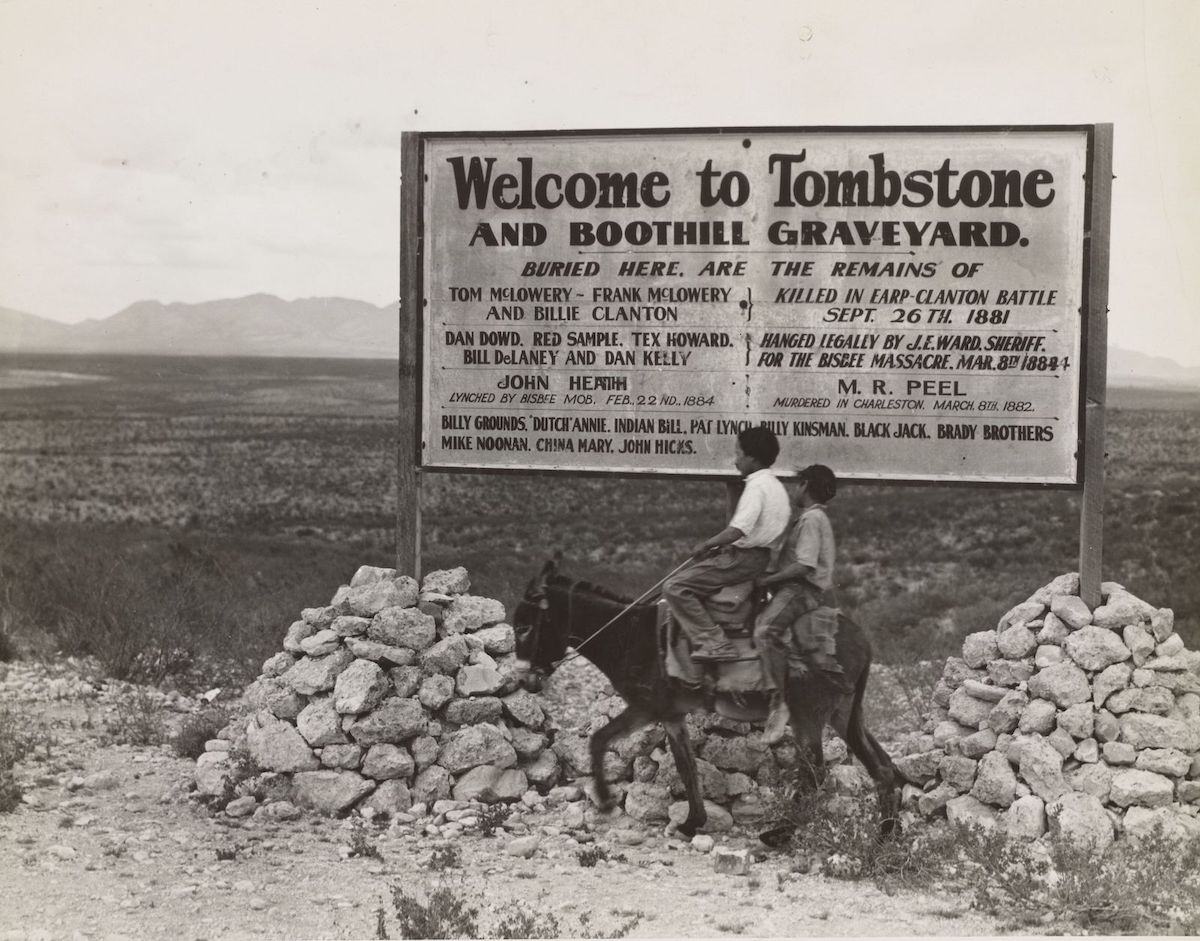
{"x":1091,"y":519}
{"x":408,"y":484}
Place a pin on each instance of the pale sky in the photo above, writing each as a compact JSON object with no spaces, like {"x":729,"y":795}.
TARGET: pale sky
{"x":186,"y":151}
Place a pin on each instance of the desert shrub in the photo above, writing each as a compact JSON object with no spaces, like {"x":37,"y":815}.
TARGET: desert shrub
{"x":492,"y":817}
{"x":448,"y":856}
{"x":136,"y":719}
{"x":591,"y":855}
{"x":442,"y":914}
{"x":1148,"y":887}
{"x":361,"y":844}
{"x":8,"y":647}
{"x":21,"y":739}
{"x":519,"y":921}
{"x":195,"y":730}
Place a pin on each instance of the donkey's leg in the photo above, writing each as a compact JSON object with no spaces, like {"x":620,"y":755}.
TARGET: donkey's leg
{"x":685,"y":764}
{"x":810,"y":708}
{"x":628,"y":721}
{"x":848,"y":722}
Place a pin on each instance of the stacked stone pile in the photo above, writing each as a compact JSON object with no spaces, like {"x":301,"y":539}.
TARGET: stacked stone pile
{"x":1066,"y":720}
{"x":397,"y":695}
{"x":391,"y":694}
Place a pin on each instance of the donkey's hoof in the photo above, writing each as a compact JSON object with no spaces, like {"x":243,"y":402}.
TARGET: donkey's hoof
{"x":606,"y":803}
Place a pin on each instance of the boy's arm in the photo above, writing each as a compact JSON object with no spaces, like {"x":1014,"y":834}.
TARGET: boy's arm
{"x":723,"y":538}
{"x":793,"y":571}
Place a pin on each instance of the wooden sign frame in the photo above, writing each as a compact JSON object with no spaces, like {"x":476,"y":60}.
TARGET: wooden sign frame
{"x":1090,"y":443}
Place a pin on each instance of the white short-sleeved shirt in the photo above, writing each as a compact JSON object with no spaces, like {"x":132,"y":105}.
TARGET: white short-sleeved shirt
{"x":814,"y":545}
{"x":762,"y":511}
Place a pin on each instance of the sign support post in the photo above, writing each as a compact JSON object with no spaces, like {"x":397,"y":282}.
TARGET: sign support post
{"x":1091,"y":520}
{"x":408,"y":484}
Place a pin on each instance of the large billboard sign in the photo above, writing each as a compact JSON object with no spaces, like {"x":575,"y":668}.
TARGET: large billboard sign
{"x":900,"y":304}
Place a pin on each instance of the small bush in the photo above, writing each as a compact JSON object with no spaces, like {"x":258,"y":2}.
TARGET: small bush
{"x":492,"y":818}
{"x":445,"y":857}
{"x":8,"y":648}
{"x":197,"y":729}
{"x":598,"y":854}
{"x":136,"y":720}
{"x":519,"y":921}
{"x":361,"y":844}
{"x":443,"y":914}
{"x":20,"y":740}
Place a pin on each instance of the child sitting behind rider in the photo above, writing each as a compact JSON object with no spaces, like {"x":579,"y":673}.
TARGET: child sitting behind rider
{"x":801,"y":605}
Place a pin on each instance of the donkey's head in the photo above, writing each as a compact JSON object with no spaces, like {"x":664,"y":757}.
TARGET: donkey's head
{"x":539,"y":645}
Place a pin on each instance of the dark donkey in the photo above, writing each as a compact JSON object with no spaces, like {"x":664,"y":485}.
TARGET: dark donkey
{"x":557,"y":613}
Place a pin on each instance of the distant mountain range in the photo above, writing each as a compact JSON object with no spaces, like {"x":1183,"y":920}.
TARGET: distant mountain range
{"x":336,"y":327}
{"x":258,"y":325}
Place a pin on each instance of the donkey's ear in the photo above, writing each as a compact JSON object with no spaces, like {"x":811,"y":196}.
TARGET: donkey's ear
{"x":551,"y":566}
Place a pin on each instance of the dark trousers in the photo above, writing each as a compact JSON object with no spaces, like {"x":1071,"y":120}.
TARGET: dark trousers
{"x":686,"y":590}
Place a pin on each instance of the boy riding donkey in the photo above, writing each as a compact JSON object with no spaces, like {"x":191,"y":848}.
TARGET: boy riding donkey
{"x":801,"y":603}
{"x":743,"y":551}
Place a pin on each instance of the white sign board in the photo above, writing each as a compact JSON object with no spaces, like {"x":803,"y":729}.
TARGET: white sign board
{"x":899,"y":304}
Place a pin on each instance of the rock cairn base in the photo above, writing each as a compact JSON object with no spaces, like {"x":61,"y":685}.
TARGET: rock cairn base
{"x":1065,"y":720}
{"x":395,"y":697}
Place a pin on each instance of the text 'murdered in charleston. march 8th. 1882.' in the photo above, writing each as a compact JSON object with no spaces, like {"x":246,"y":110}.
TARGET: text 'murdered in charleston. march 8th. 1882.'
{"x":897,"y":304}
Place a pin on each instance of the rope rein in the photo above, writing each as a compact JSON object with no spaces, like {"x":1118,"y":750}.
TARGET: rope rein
{"x":629,"y":607}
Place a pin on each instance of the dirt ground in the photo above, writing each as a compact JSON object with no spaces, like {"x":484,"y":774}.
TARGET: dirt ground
{"x":108,"y":844}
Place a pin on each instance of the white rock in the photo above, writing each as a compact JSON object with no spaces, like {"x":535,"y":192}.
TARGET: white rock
{"x":968,"y":710}
{"x":1053,"y":631}
{"x":1095,"y":648}
{"x":1165,"y":823}
{"x":1144,"y":788}
{"x":1120,"y":610}
{"x":1080,"y":819}
{"x":719,"y":819}
{"x":320,"y":724}
{"x":275,"y":745}
{"x":1067,"y":584}
{"x":995,"y":782}
{"x":312,"y":675}
{"x":1148,"y":731}
{"x":703,"y":843}
{"x":1017,"y":641}
{"x":447,"y":582}
{"x":1162,"y":623}
{"x":1026,"y":818}
{"x":321,"y":643}
{"x":468,"y":613}
{"x":523,"y":846}
{"x":1041,"y":767}
{"x":731,"y":862}
{"x":980,"y":648}
{"x":330,"y":792}
{"x":1072,"y":611}
{"x":1064,"y":684}
{"x":1079,"y":720}
{"x":403,"y":627}
{"x":966,"y":810}
{"x":1020,"y":614}
{"x":360,"y":687}
{"x":1039,"y":716}
{"x":1166,"y":761}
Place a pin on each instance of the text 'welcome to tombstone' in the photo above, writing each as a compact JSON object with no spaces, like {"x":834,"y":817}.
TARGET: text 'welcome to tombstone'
{"x":897,"y":304}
